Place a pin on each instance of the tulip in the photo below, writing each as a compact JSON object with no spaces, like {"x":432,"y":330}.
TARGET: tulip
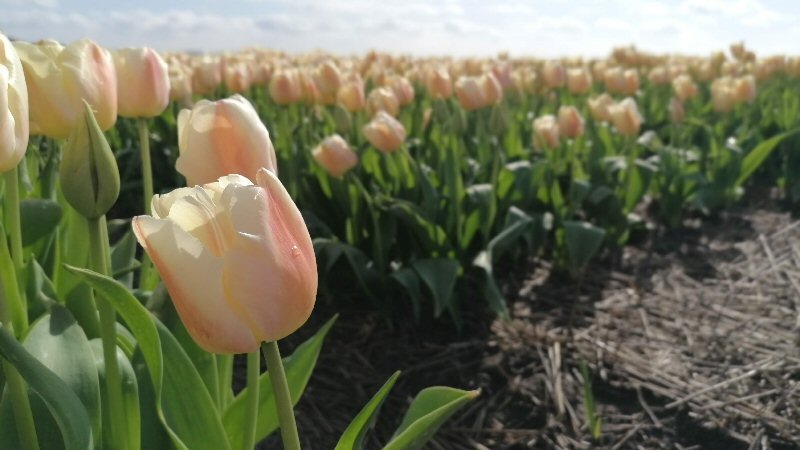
{"x":625,"y":117}
{"x":328,"y":81}
{"x":598,"y":107}
{"x":492,"y":90}
{"x":284,"y":88}
{"x":614,"y":78}
{"x":309,"y":93}
{"x":385,"y":132}
{"x":382,"y":99}
{"x":237,"y":76}
{"x":570,"y":122}
{"x":351,"y":94}
{"x":722,"y":94}
{"x":143,"y":80}
{"x":546,"y":132}
{"x":180,"y":83}
{"x":13,"y":107}
{"x":402,"y":89}
{"x":438,"y":84}
{"x":59,"y":78}
{"x":579,"y":80}
{"x":335,"y":156}
{"x":684,"y":87}
{"x":236,"y":258}
{"x":631,"y":84}
{"x":744,"y":89}
{"x":470,"y":93}
{"x":207,"y":75}
{"x":502,"y":73}
{"x":553,"y":74}
{"x":659,"y":76}
{"x":220,"y":138}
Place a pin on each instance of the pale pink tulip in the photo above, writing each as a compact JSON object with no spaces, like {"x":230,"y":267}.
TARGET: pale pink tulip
{"x":14,"y":125}
{"x":335,"y":156}
{"x":236,"y":258}
{"x":143,"y":81}
{"x":385,"y":132}
{"x":221,"y":138}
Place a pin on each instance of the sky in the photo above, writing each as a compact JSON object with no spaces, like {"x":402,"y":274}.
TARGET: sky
{"x":436,"y":27}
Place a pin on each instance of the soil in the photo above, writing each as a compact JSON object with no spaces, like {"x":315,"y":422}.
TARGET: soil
{"x":689,"y":340}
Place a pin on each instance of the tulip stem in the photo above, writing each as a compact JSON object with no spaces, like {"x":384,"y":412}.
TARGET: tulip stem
{"x":13,"y":216}
{"x":147,"y":185}
{"x":253,"y":370}
{"x":22,"y":408}
{"x":98,"y":238}
{"x":283,"y":400}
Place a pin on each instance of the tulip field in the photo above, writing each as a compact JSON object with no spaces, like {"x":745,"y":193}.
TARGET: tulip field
{"x":170,"y":218}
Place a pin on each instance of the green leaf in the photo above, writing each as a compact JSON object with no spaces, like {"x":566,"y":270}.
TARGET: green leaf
{"x":123,"y":258}
{"x":65,"y":406}
{"x":353,"y":436}
{"x":130,"y":395}
{"x":429,"y":410}
{"x":583,"y":241}
{"x":439,"y":275}
{"x":298,"y":371}
{"x":760,"y":153}
{"x":183,"y":404}
{"x":38,"y":218}
{"x":410,"y":281}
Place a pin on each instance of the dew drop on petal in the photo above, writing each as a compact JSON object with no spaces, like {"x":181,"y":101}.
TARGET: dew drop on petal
{"x":295,"y":251}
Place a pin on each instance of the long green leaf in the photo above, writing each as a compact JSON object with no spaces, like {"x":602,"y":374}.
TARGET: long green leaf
{"x":298,"y":368}
{"x":429,"y":410}
{"x":353,"y":436}
{"x":63,"y":403}
{"x":760,"y":153}
{"x":183,"y":404}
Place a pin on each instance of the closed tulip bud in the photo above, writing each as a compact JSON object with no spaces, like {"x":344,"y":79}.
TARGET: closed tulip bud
{"x":744,"y":89}
{"x":570,"y":122}
{"x":492,"y":91}
{"x":722,"y":94}
{"x":402,"y":89}
{"x":13,"y":107}
{"x":625,"y":117}
{"x":89,"y":174}
{"x":385,"y":132}
{"x":308,"y":89}
{"x":658,"y":76}
{"x":335,"y":156}
{"x":143,"y":78}
{"x":502,"y":73}
{"x":351,"y":94}
{"x":438,"y":84}
{"x":207,"y":75}
{"x":236,"y":258}
{"x":221,"y":138}
{"x":180,"y":84}
{"x":598,"y":107}
{"x":631,"y":83}
{"x":328,"y":80}
{"x":237,"y":77}
{"x":470,"y":93}
{"x":382,"y":99}
{"x":284,"y":88}
{"x":579,"y":80}
{"x":676,"y":111}
{"x":546,"y":132}
{"x":60,"y":78}
{"x":553,"y":74}
{"x":684,"y":87}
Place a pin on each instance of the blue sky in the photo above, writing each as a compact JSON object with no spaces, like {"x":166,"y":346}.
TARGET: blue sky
{"x":453,"y":27}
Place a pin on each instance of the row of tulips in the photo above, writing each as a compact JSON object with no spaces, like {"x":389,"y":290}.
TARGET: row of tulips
{"x":99,"y":350}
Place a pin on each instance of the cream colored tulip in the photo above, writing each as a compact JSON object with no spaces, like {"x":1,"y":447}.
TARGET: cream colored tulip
{"x":328,"y":80}
{"x":206,"y":76}
{"x":722,"y":94}
{"x":438,"y":84}
{"x":284,"y":88}
{"x":579,"y":80}
{"x":385,"y":132}
{"x":546,"y":133}
{"x":402,"y":88}
{"x":143,"y":81}
{"x":335,"y":156}
{"x":14,"y":125}
{"x":598,"y":107}
{"x":383,"y":99}
{"x":60,"y":78}
{"x":221,"y":138}
{"x":684,"y":87}
{"x":625,"y":117}
{"x":553,"y":74}
{"x":744,"y":89}
{"x":351,"y":94}
{"x":236,"y":258}
{"x":570,"y":122}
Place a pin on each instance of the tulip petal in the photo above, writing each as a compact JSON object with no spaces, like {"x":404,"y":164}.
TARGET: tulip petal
{"x":188,"y":269}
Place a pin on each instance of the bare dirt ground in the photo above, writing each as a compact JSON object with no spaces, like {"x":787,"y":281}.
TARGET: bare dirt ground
{"x":689,"y":338}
